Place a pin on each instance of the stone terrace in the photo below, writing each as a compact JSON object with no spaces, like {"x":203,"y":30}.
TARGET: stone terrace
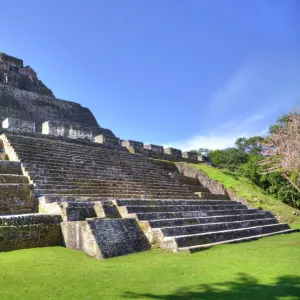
{"x":70,"y":168}
{"x":99,"y":194}
{"x":85,"y":181}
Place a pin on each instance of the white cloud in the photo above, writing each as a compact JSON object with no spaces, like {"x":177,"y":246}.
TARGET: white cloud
{"x":210,"y":142}
{"x":225,"y":136}
{"x":234,"y":89}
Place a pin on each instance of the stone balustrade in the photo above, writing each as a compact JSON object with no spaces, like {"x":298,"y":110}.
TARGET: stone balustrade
{"x":154,"y":148}
{"x":72,"y":131}
{"x":80,"y":132}
{"x":18,"y":125}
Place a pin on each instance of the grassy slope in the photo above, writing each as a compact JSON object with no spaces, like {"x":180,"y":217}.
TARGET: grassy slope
{"x":264,"y":269}
{"x":255,"y":195}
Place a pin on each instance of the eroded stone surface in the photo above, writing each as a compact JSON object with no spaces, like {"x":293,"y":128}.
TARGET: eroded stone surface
{"x":104,"y":238}
{"x":18,"y":125}
{"x":13,"y":73}
{"x":72,"y":131}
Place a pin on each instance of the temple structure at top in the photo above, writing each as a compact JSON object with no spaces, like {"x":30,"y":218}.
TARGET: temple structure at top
{"x":28,"y":105}
{"x":23,"y":96}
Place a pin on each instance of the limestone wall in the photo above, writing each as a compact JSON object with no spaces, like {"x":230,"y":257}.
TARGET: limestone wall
{"x":213,"y":186}
{"x":29,"y":235}
{"x":18,"y":125}
{"x":158,"y":152}
{"x":104,"y":238}
{"x":10,"y":167}
{"x":72,"y":131}
{"x":16,"y":199}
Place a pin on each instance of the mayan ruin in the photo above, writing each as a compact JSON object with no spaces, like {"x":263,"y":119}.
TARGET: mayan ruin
{"x":66,"y":181}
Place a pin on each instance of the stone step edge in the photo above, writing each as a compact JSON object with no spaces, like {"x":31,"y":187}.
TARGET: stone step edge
{"x":216,"y":223}
{"x":179,"y":200}
{"x":207,"y":217}
{"x":97,"y":196}
{"x":25,"y":215}
{"x":197,"y":248}
{"x":137,"y":215}
{"x":221,"y":231}
{"x":15,"y":184}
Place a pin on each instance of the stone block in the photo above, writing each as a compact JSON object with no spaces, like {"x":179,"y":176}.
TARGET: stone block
{"x":10,"y":167}
{"x":29,"y":236}
{"x":18,"y":125}
{"x":133,"y":146}
{"x":173,"y":151}
{"x":72,"y":131}
{"x":104,"y":238}
{"x":154,"y":148}
{"x":107,"y":140}
{"x":16,"y":198}
{"x":202,"y":158}
{"x":190,"y":155}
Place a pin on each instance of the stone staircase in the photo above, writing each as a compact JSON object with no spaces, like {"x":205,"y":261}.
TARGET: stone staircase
{"x":84,"y":183}
{"x":16,"y":194}
{"x":70,"y":168}
{"x":193,"y":225}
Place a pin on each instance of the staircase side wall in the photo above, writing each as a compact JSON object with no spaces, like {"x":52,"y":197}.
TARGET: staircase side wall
{"x":78,"y":236}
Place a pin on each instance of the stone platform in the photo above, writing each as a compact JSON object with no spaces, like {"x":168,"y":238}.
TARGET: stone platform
{"x":98,"y":194}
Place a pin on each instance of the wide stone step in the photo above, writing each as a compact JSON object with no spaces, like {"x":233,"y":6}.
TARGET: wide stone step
{"x":212,"y":227}
{"x":110,"y":176}
{"x":10,"y":167}
{"x":178,"y":208}
{"x":95,"y":191}
{"x":69,"y":198}
{"x":71,"y":144}
{"x":11,"y":178}
{"x":100,"y":179}
{"x":116,"y":194}
{"x":166,"y":202}
{"x":90,"y":159}
{"x":96,"y":169}
{"x":197,"y":248}
{"x":67,"y":162}
{"x":127,"y":181}
{"x":173,"y":243}
{"x":110,"y":188}
{"x":204,"y":220}
{"x":78,"y":153}
{"x":29,"y":219}
{"x":75,"y":198}
{"x":193,"y":214}
{"x":105,"y":183}
{"x":104,"y":188}
{"x":96,"y":172}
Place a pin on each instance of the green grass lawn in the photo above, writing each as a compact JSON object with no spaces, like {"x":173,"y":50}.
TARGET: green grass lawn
{"x":255,"y":195}
{"x":264,"y":269}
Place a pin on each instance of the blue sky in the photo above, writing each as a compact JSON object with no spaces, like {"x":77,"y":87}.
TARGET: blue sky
{"x":187,"y":74}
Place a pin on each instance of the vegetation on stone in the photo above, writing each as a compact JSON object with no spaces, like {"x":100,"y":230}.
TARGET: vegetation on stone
{"x":271,"y":163}
{"x":256,"y":196}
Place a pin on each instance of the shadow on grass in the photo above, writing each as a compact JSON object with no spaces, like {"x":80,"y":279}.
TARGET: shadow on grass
{"x":245,"y":287}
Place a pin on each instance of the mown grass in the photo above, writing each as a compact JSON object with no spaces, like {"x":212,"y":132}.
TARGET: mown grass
{"x":255,"y":195}
{"x":264,"y":269}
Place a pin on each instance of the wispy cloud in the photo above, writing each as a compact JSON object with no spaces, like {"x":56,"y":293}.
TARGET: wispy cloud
{"x":210,"y":142}
{"x":251,"y":99}
{"x":234,"y":89}
{"x":223,"y":137}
